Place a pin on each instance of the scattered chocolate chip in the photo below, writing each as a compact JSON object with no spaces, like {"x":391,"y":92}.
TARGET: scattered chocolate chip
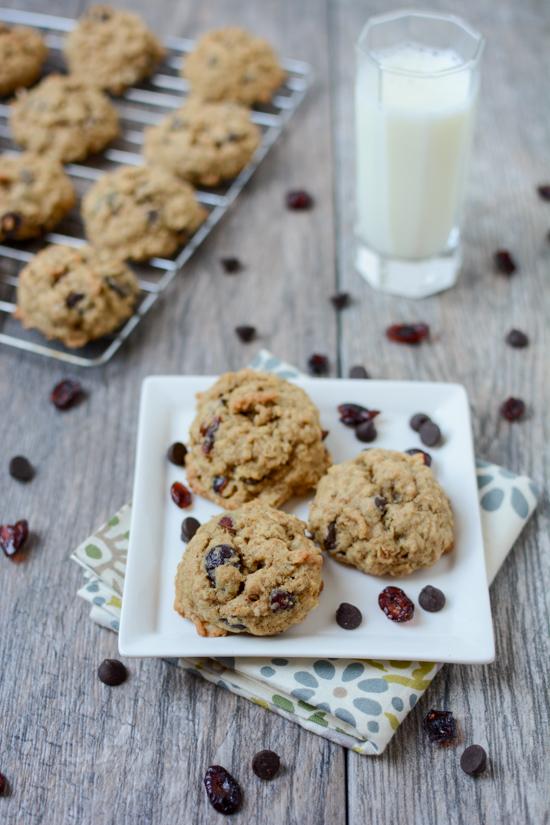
{"x":512,"y":409}
{"x":246,"y":333}
{"x":3,"y":785}
{"x":10,"y":222}
{"x":431,"y":599}
{"x":13,"y":537}
{"x":231,"y":265}
{"x":223,"y":791}
{"x":430,"y":434}
{"x":228,"y":524}
{"x":176,"y":453}
{"x":408,"y":333}
{"x":440,"y":725}
{"x":266,"y":764}
{"x":280,"y":599}
{"x":66,"y":394}
{"x":366,"y":432}
{"x":318,"y":364}
{"x":358,"y":372}
{"x":21,"y":468}
{"x":544,"y":191}
{"x":330,"y":538}
{"x":341,"y":300}
{"x":209,"y":434}
{"x":474,"y":760}
{"x":73,"y":298}
{"x":348,"y":616}
{"x":218,"y":555}
{"x":517,"y":339}
{"x":219,"y":484}
{"x":417,"y":420}
{"x":180,"y":495}
{"x":504,"y":262}
{"x":396,"y":604}
{"x":112,"y":672}
{"x":354,"y":414}
{"x":426,"y":457}
{"x":189,"y":527}
{"x":381,"y":503}
{"x":298,"y":199}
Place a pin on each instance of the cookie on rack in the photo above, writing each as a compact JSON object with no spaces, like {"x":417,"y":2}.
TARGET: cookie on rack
{"x":22,"y":54}
{"x":139,"y":212}
{"x":112,"y":48}
{"x":254,"y":571}
{"x":382,"y":512}
{"x":204,"y":143}
{"x":75,"y":295}
{"x":255,"y":436}
{"x":63,"y":117}
{"x":35,"y":193}
{"x":232,"y":64}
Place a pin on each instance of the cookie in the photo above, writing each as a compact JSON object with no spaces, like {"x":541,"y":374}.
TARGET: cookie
{"x":253,"y":571}
{"x":22,"y":53}
{"x":113,"y":48}
{"x":63,"y":117}
{"x":75,"y":295}
{"x":255,"y":436}
{"x":139,"y":212}
{"x":204,"y":143}
{"x":382,"y":512}
{"x":35,"y":193}
{"x":232,"y":64}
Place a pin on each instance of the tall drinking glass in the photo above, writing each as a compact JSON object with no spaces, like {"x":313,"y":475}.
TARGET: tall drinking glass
{"x":417,"y":85}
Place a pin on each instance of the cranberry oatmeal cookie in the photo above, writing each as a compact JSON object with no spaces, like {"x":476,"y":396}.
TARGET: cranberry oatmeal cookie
{"x":22,"y":53}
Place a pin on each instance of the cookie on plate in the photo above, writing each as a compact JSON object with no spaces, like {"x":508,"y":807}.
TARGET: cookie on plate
{"x":35,"y":193}
{"x":232,"y":64}
{"x":112,"y":48}
{"x":75,"y":295}
{"x":63,"y":117}
{"x":204,"y":143}
{"x":254,"y":571}
{"x":140,"y":211}
{"x":255,"y":436}
{"x":22,"y":53}
{"x":382,"y":512}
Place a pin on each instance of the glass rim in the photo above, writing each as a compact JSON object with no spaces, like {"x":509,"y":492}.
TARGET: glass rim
{"x":389,"y":17}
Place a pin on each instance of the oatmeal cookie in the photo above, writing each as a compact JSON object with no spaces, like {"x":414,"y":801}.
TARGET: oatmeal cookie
{"x":22,"y":53}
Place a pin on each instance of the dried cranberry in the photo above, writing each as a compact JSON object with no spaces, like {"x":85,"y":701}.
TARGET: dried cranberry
{"x":431,"y":599}
{"x":504,"y":262}
{"x":21,"y":468}
{"x":340,"y":300}
{"x":218,"y":555}
{"x":348,"y":616}
{"x":223,"y":791}
{"x":227,"y":523}
{"x":517,"y":339}
{"x":396,"y":604}
{"x":354,"y":414}
{"x":189,"y":527}
{"x":426,"y":457}
{"x":366,"y":432}
{"x":417,"y":420}
{"x":330,"y":538}
{"x":246,"y":333}
{"x":66,"y":394}
{"x":3,"y":785}
{"x":474,"y":759}
{"x":318,"y":364}
{"x":266,"y":764}
{"x":219,"y":483}
{"x":176,"y":453}
{"x":73,"y":298}
{"x":112,"y":672}
{"x":544,"y":191}
{"x":10,"y":222}
{"x":358,"y":371}
{"x":408,"y":333}
{"x":512,"y":409}
{"x":209,"y":434}
{"x":298,"y":199}
{"x":181,"y":495}
{"x":280,"y":599}
{"x":13,"y":537}
{"x":440,"y":725}
{"x":430,"y":434}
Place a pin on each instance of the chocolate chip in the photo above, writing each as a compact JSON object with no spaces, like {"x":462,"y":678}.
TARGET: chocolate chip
{"x":431,"y":599}
{"x":358,"y":372}
{"x":21,"y":468}
{"x":426,"y":457}
{"x":112,"y":672}
{"x":517,"y":339}
{"x":544,"y":191}
{"x":381,"y":503}
{"x":504,"y":262}
{"x":430,"y":434}
{"x":298,"y":199}
{"x":231,"y":265}
{"x":152,"y":216}
{"x":417,"y":420}
{"x":474,"y":760}
{"x":246,"y":333}
{"x":341,"y":300}
{"x":3,"y":785}
{"x":176,"y":453}
{"x":330,"y":538}
{"x":280,"y":599}
{"x":73,"y":298}
{"x":266,"y":764}
{"x":189,"y":527}
{"x":318,"y":364}
{"x":366,"y":431}
{"x":218,"y":555}
{"x":348,"y":616}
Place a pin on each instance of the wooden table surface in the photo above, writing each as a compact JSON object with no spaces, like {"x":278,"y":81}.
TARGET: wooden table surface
{"x":77,"y":752}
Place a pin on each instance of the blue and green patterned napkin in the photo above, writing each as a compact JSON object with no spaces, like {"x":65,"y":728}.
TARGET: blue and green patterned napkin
{"x":357,"y":703}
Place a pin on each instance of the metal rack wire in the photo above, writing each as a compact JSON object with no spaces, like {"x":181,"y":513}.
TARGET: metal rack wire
{"x":139,"y":107}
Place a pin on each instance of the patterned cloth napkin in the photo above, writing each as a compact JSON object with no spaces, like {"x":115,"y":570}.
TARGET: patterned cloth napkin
{"x":357,"y":703}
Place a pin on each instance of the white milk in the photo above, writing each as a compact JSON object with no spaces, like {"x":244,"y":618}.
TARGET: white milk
{"x":413,"y":145}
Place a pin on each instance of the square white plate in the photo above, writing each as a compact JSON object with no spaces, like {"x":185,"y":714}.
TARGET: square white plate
{"x":461,"y":632}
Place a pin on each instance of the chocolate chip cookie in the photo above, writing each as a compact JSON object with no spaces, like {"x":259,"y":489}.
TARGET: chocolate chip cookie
{"x":63,"y":117}
{"x":204,"y":143}
{"x":75,"y":295}
{"x":232,"y":64}
{"x":35,"y":193}
{"x":139,"y":212}
{"x":253,"y":571}
{"x":255,"y":436}
{"x":22,"y":53}
{"x":113,"y":48}
{"x":382,"y":512}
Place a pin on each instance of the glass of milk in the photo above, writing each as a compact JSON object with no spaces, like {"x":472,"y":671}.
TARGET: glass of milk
{"x":416,"y":91}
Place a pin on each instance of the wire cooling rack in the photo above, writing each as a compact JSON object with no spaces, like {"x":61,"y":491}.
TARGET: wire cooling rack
{"x":140,"y":106}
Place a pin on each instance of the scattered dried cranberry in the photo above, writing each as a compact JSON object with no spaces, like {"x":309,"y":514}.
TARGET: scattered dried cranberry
{"x":396,"y":604}
{"x":219,"y":483}
{"x":330,"y":538}
{"x":517,"y":339}
{"x":246,"y":333}
{"x":512,"y":409}
{"x":228,"y":524}
{"x":298,"y":199}
{"x":66,"y":394}
{"x":431,"y":599}
{"x":266,"y":764}
{"x":112,"y":672}
{"x":189,"y":527}
{"x":176,"y":453}
{"x":504,"y":262}
{"x":223,"y":791}
{"x":348,"y":616}
{"x":408,"y":333}
{"x":474,"y":759}
{"x":231,"y":265}
{"x":21,"y":468}
{"x":366,"y":432}
{"x":209,"y":434}
{"x":318,"y":364}
{"x":13,"y":537}
{"x":358,"y":371}
{"x":426,"y":457}
{"x":544,"y":191}
{"x":417,"y":420}
{"x":280,"y":599}
{"x":218,"y":555}
{"x":341,"y":300}
{"x":440,"y":726}
{"x":354,"y":414}
{"x":3,"y":785}
{"x":430,"y":434}
{"x":181,"y":495}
